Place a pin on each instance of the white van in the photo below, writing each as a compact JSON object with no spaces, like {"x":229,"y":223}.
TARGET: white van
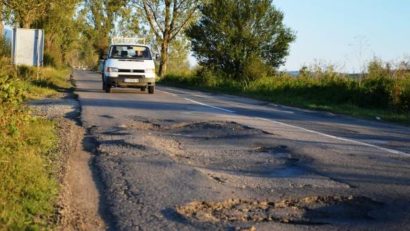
{"x":128,"y":64}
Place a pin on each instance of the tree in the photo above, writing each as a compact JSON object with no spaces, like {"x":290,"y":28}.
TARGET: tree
{"x":178,"y":55}
{"x":56,"y":17}
{"x":167,"y":18}
{"x":242,"y":39}
{"x":103,"y":14}
{"x":61,"y":31}
{"x":25,"y":12}
{"x":128,"y":24}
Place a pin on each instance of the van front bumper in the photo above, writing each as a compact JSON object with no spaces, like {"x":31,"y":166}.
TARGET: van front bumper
{"x":130,"y":81}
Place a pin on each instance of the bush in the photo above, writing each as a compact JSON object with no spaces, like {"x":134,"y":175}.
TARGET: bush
{"x":400,"y":96}
{"x":26,"y":72}
{"x":49,"y":60}
{"x":5,"y":49}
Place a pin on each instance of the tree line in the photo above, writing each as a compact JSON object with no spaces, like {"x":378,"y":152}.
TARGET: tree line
{"x":241,"y":39}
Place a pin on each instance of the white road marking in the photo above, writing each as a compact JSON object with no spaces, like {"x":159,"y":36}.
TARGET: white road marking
{"x":207,"y":105}
{"x":201,"y":96}
{"x":308,"y":130}
{"x":338,"y":138}
{"x":374,"y":141}
{"x":167,"y":93}
{"x":173,"y":91}
{"x":281,"y":111}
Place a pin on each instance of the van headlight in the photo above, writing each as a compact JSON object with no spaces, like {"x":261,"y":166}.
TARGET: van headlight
{"x":111,"y":69}
{"x":152,"y":70}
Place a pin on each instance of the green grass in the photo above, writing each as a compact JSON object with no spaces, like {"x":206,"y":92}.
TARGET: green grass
{"x":49,"y":83}
{"x":376,"y":96}
{"x":28,"y":149}
{"x":28,"y":190}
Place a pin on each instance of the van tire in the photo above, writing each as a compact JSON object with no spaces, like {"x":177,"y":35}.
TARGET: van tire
{"x":151,"y":89}
{"x":108,"y":88}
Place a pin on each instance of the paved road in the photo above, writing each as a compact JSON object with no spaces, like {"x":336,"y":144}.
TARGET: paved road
{"x":189,"y":160}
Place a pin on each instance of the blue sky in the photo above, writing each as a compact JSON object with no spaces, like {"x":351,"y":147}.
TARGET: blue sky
{"x":346,"y":33}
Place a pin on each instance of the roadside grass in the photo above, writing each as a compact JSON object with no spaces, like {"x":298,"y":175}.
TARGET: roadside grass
{"x":28,"y":190}
{"x":381,"y":94}
{"x":28,"y":149}
{"x":49,"y":83}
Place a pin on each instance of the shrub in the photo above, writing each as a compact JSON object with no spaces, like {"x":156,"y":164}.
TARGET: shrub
{"x":5,"y":49}
{"x":400,"y":95}
{"x":49,"y":60}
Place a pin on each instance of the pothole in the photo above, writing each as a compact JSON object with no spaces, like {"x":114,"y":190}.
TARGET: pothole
{"x":312,"y":210}
{"x":218,"y":179}
{"x":291,"y":164}
{"x":212,"y":130}
{"x":143,"y":123}
{"x":120,"y":146}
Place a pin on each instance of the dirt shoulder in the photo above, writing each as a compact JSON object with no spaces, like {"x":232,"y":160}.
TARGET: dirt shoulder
{"x":79,"y":204}
{"x":79,"y":199}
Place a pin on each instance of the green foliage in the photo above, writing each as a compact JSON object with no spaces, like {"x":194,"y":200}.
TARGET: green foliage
{"x":28,"y":191}
{"x":24,"y":12}
{"x":178,"y":53}
{"x":244,"y":39}
{"x":57,"y":19}
{"x":166,"y":19}
{"x":61,"y":32}
{"x":5,"y":49}
{"x":102,"y":16}
{"x":29,"y":187}
{"x":381,"y":93}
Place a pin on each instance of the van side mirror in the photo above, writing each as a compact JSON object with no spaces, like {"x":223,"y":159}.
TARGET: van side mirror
{"x":104,"y":56}
{"x":157,"y":56}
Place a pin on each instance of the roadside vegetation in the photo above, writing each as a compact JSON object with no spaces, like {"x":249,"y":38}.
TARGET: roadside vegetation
{"x":382,"y":92}
{"x":28,"y":146}
{"x":240,"y":45}
{"x":29,"y":155}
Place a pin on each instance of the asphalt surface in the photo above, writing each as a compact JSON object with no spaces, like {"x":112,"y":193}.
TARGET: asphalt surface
{"x":189,"y":160}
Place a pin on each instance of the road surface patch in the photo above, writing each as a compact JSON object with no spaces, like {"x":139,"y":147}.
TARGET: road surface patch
{"x":311,"y":210}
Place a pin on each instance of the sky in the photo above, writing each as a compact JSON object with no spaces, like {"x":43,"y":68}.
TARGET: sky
{"x":346,"y":33}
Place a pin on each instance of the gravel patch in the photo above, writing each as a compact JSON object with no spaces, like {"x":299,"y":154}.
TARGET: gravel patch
{"x":52,"y":108}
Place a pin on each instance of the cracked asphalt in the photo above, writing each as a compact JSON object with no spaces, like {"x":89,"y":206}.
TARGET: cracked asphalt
{"x":190,"y":160}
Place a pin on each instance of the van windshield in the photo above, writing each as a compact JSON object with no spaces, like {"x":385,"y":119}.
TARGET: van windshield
{"x":130,"y":52}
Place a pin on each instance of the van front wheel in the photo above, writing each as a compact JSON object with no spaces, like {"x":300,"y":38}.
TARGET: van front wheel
{"x":108,"y":88}
{"x":151,"y":89}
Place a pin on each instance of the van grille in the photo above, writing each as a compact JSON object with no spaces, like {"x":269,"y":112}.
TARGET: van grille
{"x":131,"y":71}
{"x":131,"y":76}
